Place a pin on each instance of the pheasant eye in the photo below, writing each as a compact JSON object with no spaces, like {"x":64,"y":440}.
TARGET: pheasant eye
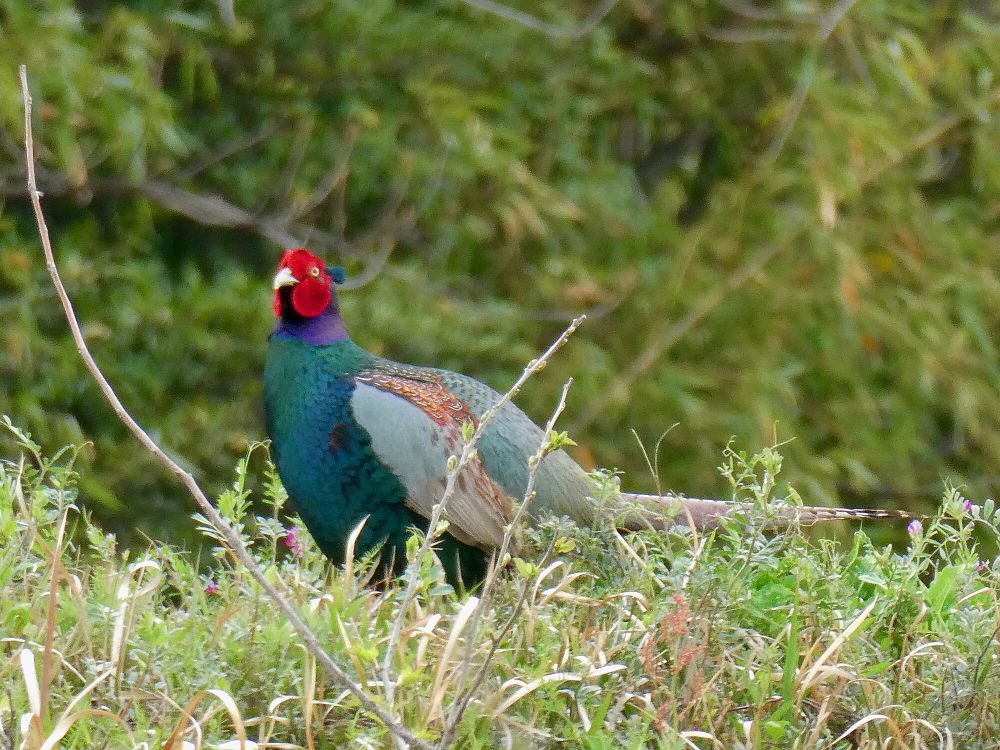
{"x":314,"y":271}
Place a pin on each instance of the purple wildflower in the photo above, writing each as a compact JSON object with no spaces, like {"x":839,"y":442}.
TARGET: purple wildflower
{"x":211,"y":587}
{"x":914,"y":527}
{"x":981,"y":566}
{"x":292,"y":541}
{"x":966,"y":505}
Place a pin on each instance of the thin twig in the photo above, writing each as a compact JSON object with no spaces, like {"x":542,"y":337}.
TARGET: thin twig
{"x":468,"y":454}
{"x":828,"y":22}
{"x":747,"y":10}
{"x":935,"y":132}
{"x":549,"y":29}
{"x":299,"y":146}
{"x":276,"y":591}
{"x":459,"y":707}
{"x":611,"y":302}
{"x":373,"y":267}
{"x":335,"y":176}
{"x":221,"y":153}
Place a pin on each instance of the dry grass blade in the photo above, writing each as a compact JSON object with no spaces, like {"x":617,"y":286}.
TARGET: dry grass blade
{"x":67,"y":721}
{"x":187,"y":712}
{"x":696,"y":735}
{"x":309,"y":699}
{"x":919,"y":651}
{"x":50,"y":618}
{"x":352,"y":541}
{"x":856,"y":726}
{"x":530,"y":687}
{"x":816,"y":669}
{"x":31,"y":722}
{"x":461,"y":619}
{"x":126,"y":606}
{"x":84,"y":693}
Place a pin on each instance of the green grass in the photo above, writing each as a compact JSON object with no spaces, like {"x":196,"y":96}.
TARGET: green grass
{"x":729,"y":640}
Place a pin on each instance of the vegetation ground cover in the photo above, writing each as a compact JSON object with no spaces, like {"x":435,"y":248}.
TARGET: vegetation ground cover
{"x":732,"y":639}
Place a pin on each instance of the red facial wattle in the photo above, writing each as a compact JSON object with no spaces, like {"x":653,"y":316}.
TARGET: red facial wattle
{"x":311,"y":296}
{"x":310,"y":283}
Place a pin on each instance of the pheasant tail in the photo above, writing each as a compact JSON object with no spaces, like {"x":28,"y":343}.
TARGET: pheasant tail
{"x":661,"y":511}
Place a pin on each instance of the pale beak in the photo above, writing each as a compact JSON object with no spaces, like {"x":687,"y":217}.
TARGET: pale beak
{"x":284,"y":277}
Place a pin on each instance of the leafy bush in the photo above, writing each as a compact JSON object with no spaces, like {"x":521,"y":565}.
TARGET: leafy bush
{"x":779,"y":232}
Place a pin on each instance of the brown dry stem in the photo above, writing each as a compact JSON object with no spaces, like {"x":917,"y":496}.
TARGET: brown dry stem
{"x":276,"y":590}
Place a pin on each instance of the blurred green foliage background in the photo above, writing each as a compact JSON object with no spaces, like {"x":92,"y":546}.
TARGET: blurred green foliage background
{"x":782,"y":218}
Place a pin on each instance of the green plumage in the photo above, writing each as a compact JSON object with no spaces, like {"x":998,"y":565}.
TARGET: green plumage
{"x":335,"y":478}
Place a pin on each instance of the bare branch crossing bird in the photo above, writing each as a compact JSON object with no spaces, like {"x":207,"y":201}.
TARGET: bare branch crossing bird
{"x":355,"y":435}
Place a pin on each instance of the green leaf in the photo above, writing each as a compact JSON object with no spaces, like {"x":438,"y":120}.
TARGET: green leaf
{"x":940,"y":593}
{"x":525,"y":568}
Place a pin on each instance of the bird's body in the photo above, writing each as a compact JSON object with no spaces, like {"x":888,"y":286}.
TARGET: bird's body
{"x":357,"y":437}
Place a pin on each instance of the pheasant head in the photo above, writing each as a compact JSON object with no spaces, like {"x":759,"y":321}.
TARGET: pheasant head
{"x":305,"y":301}
{"x":303,"y":284}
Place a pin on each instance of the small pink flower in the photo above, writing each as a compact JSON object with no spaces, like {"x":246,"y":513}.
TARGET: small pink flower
{"x":914,"y":527}
{"x":292,"y":541}
{"x":211,"y":587}
{"x":967,"y":505}
{"x":981,"y":566}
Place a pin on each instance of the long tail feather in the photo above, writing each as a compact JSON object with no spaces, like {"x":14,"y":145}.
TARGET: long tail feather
{"x":661,"y":511}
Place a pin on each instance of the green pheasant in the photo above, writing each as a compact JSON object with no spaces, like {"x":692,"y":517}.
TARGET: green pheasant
{"x":357,"y":437}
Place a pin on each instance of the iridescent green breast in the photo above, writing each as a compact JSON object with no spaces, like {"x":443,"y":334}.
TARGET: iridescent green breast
{"x":326,"y":461}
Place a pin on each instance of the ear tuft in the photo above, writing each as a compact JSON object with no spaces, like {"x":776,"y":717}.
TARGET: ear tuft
{"x":337,"y":273}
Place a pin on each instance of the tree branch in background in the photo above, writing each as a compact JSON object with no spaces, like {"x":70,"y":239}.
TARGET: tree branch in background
{"x":671,"y":334}
{"x":222,"y":152}
{"x":751,"y":36}
{"x":211,"y":210}
{"x":748,"y":10}
{"x":276,"y":591}
{"x":827,"y":23}
{"x":549,"y":29}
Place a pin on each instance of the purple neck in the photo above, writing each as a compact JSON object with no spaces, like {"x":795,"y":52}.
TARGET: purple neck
{"x":326,"y":328}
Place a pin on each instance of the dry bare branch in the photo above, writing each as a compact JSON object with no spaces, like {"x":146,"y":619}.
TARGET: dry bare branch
{"x":276,"y":591}
{"x":468,"y":453}
{"x":461,"y":704}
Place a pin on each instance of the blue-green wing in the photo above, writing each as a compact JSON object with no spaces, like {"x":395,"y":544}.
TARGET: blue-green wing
{"x":415,"y":426}
{"x":509,"y":440}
